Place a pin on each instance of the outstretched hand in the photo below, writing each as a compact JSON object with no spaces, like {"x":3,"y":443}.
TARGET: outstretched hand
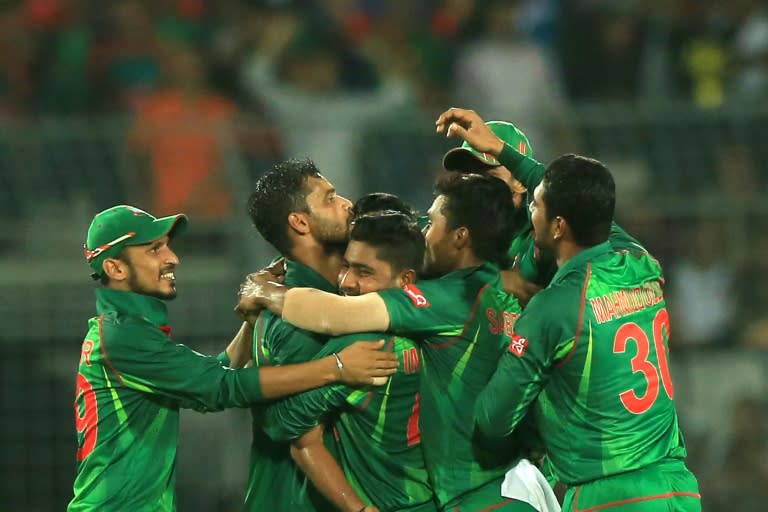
{"x":365,"y":364}
{"x":468,"y":125}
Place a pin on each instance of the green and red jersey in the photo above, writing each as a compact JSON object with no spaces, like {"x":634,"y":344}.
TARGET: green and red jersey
{"x":462,"y":322}
{"x":377,"y":435}
{"x":589,"y":353}
{"x":275,"y":483}
{"x":132,"y":380}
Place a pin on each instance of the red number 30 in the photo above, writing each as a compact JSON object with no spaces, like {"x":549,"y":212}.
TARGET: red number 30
{"x":88,"y":421}
{"x":640,"y":363}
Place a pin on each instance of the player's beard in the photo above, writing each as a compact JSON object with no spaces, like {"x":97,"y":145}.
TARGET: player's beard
{"x":137,"y":287}
{"x":332,"y":236}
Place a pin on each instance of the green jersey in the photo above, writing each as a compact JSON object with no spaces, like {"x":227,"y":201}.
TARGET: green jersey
{"x":275,"y":483}
{"x":463,"y":322}
{"x":377,"y":431}
{"x":131,"y":382}
{"x":590,"y":353}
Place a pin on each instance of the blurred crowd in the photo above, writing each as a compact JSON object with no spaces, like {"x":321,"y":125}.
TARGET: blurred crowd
{"x":72,"y":56}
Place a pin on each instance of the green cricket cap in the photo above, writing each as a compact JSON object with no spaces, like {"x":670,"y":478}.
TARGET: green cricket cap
{"x":467,"y":159}
{"x":115,"y":228}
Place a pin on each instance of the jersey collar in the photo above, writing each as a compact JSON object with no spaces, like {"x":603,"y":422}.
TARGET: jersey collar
{"x":487,"y":271}
{"x":581,"y":259}
{"x":300,"y":275}
{"x":149,"y":308}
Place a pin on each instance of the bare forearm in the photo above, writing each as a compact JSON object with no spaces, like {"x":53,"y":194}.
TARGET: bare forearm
{"x":321,"y":468}
{"x":239,"y":349}
{"x":327,"y":313}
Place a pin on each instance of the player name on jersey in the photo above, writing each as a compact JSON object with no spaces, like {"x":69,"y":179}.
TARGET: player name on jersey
{"x":625,"y":302}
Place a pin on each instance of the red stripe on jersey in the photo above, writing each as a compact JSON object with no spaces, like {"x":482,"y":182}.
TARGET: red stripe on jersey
{"x":581,"y":317}
{"x":466,"y":325}
{"x":413,"y":433}
{"x":104,"y":351}
{"x":490,"y":508}
{"x":630,"y":500}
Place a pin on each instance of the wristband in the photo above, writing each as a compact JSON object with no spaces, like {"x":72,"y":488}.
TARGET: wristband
{"x":339,"y":365}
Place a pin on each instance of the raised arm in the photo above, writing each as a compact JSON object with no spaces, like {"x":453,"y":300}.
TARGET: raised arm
{"x":468,"y":125}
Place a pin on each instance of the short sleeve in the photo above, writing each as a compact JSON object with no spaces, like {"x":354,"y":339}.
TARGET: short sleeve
{"x":431,"y":308}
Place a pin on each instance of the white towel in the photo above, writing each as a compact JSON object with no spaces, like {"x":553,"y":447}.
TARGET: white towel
{"x":525,"y":482}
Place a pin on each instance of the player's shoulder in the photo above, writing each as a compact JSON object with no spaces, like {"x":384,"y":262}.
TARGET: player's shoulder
{"x":114,"y":322}
{"x":564,"y":290}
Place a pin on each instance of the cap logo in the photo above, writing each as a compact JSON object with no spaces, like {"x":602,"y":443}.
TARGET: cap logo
{"x":416,"y":296}
{"x":91,"y":254}
{"x":522,"y":148}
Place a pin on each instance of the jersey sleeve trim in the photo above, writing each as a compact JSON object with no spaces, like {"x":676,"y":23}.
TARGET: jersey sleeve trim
{"x":473,"y":311}
{"x":104,"y":354}
{"x":580,"y":323}
{"x":630,"y":500}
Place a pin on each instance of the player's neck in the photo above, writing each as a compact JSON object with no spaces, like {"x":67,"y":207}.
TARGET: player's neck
{"x":565,"y":251}
{"x":467,"y":259}
{"x":325,"y":262}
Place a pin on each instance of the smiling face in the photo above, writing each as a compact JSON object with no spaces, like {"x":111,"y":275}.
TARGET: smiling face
{"x":364,"y":272}
{"x":329,"y":213}
{"x":149,"y":269}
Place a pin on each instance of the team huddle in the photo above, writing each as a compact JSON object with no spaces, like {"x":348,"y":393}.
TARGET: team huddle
{"x":513,"y":340}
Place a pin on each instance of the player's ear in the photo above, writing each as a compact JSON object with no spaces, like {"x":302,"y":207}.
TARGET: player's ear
{"x":298,"y":222}
{"x":559,"y":227}
{"x":115,"y":269}
{"x":461,"y":237}
{"x":406,"y":277}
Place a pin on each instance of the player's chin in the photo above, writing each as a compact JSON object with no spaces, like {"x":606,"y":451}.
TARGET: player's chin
{"x":169,"y":293}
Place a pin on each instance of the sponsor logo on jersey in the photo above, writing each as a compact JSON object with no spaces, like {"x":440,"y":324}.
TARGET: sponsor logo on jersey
{"x":518,"y":345}
{"x":416,"y":296}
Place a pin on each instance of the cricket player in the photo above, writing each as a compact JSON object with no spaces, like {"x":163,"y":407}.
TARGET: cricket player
{"x":299,"y":212}
{"x":132,"y":379}
{"x":529,"y":269}
{"x":379,"y":441}
{"x":461,"y":318}
{"x":589,"y":354}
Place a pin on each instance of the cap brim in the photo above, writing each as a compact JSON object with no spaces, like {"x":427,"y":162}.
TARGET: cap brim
{"x":173,"y":226}
{"x":464,"y":160}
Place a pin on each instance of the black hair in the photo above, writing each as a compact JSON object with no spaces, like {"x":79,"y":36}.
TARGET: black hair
{"x":277,"y":193}
{"x":379,"y":202}
{"x":395,"y":236}
{"x":483,"y":205}
{"x":581,"y":190}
